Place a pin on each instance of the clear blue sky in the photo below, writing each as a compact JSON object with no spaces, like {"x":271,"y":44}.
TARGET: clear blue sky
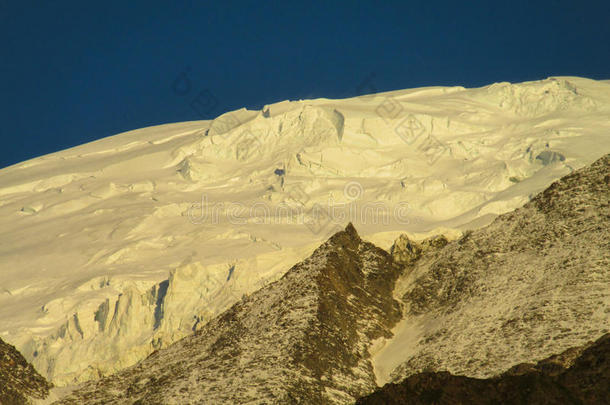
{"x":72,"y":72}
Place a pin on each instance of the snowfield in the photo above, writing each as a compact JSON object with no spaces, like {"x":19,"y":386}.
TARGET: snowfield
{"x":118,"y":247}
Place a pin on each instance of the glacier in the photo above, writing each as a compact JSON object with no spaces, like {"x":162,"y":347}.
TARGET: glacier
{"x":116,"y":248}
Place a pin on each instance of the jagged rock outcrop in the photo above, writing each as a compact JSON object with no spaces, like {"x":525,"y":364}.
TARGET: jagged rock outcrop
{"x":578,"y":376}
{"x":407,"y":252}
{"x":301,"y":339}
{"x":534,"y":282}
{"x":20,"y":383}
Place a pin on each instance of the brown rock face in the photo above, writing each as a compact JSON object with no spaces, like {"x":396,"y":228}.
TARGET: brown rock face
{"x":19,"y":381}
{"x":407,"y":252}
{"x":586,"y":381}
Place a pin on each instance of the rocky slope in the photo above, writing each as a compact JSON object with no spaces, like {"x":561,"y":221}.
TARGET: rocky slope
{"x":577,"y":376}
{"x":533,"y":283}
{"x":301,"y":339}
{"x":20,"y":383}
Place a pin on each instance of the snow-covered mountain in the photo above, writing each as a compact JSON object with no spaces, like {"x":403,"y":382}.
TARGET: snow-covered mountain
{"x":122,"y":246}
{"x":534,"y":283}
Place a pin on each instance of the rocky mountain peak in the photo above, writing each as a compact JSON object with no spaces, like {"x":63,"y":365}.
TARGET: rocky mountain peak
{"x":301,"y":339}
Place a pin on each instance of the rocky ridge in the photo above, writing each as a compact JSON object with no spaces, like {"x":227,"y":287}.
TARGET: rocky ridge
{"x":302,"y":339}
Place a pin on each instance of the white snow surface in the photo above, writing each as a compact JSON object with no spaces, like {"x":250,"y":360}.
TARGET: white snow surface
{"x":114,"y":248}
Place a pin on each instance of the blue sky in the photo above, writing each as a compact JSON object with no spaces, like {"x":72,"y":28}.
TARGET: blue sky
{"x":72,"y":72}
